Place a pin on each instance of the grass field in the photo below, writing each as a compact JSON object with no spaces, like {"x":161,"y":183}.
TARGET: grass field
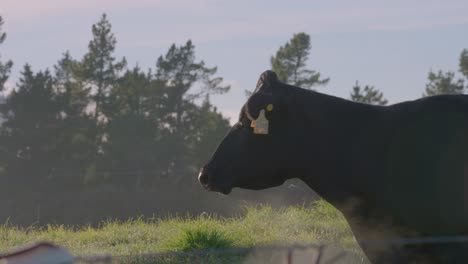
{"x":259,"y":226}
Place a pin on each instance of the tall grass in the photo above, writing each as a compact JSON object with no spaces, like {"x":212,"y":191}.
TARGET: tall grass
{"x":198,"y":237}
{"x":259,"y":225}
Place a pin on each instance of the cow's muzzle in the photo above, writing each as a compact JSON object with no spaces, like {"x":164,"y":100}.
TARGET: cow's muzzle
{"x":205,"y":179}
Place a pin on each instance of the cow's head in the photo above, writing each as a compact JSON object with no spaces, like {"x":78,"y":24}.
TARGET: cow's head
{"x":256,"y":151}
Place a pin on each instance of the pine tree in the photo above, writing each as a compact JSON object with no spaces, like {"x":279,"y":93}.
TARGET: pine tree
{"x":443,"y":83}
{"x":30,"y":130}
{"x":70,"y":88}
{"x":179,"y":72}
{"x":75,"y":141}
{"x":290,"y":63}
{"x":99,"y":68}
{"x":464,"y":63}
{"x":99,"y":71}
{"x":5,"y":67}
{"x":367,"y":95}
{"x":131,"y":146}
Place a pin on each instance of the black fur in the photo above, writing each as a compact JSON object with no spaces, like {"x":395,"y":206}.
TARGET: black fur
{"x":394,"y":171}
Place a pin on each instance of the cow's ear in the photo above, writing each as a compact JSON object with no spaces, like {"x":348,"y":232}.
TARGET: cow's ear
{"x":267,"y":81}
{"x":262,"y":97}
{"x":257,"y":102}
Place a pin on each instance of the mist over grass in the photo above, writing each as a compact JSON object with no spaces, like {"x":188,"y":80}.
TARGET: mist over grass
{"x":260,"y":225}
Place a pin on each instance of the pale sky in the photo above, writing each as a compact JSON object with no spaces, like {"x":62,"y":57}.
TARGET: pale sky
{"x":388,"y":44}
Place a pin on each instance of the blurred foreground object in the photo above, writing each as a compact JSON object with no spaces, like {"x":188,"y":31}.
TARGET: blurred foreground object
{"x":39,"y":253}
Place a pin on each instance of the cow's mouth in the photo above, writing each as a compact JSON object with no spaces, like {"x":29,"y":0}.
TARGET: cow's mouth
{"x":212,"y":188}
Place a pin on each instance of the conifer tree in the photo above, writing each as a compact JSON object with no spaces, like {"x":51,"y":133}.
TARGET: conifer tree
{"x":179,"y":71}
{"x":463,"y":63}
{"x":130,"y":146}
{"x":5,"y":67}
{"x":290,"y":63}
{"x":443,"y":83}
{"x":99,"y":68}
{"x":367,"y":95}
{"x":31,"y":128}
{"x":180,"y":74}
{"x":76,"y":139}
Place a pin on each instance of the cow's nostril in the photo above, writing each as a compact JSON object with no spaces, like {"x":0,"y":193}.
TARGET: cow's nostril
{"x":203,"y":177}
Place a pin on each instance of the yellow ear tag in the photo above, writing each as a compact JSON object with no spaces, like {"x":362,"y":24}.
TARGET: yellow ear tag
{"x":260,"y":125}
{"x":269,"y":108}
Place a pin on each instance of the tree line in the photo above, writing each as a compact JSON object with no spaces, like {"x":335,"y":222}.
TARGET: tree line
{"x":290,"y":63}
{"x":94,"y":120}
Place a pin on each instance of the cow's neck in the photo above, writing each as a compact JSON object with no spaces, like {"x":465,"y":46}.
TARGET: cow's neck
{"x":332,"y":127}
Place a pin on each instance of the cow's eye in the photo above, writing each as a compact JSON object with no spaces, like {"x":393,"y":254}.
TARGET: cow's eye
{"x":242,"y":124}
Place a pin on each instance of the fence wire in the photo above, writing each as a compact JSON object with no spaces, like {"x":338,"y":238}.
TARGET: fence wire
{"x":307,"y":254}
{"x":314,"y":254}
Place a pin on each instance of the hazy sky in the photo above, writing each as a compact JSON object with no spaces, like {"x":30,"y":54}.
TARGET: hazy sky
{"x":388,"y":44}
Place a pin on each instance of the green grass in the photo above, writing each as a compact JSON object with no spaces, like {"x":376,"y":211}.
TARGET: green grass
{"x":199,"y":237}
{"x":258,"y":226}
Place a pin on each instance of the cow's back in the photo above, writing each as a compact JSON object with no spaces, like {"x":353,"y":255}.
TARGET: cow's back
{"x":426,"y":164}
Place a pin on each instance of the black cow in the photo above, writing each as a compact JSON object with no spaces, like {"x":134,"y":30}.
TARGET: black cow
{"x":394,"y":171}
